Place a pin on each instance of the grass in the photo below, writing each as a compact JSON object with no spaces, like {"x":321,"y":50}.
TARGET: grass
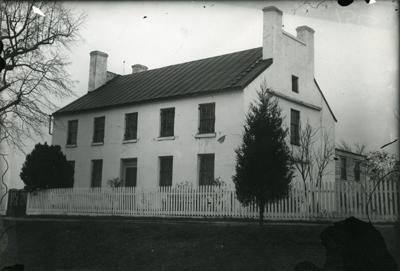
{"x":141,"y":245}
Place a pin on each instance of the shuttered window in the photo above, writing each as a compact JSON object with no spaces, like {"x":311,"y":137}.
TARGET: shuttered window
{"x":72,"y":132}
{"x":166,"y":164}
{"x":357,"y":169}
{"x":131,"y":126}
{"x":71,"y":163}
{"x":295,"y":84}
{"x":98,"y":131}
{"x":207,"y":118}
{"x":294,"y":127}
{"x":97,"y":172}
{"x":206,"y":168}
{"x":167,"y":116}
{"x":343,"y":168}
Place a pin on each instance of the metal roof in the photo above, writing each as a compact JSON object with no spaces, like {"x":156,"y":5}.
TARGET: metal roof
{"x":231,"y":71}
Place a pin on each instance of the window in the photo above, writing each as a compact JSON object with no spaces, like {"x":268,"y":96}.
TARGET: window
{"x":206,"y":169}
{"x":166,"y":163}
{"x":167,"y":122}
{"x":97,"y":169}
{"x":72,"y":132}
{"x":294,"y":127}
{"x":72,"y":165}
{"x":129,"y":172}
{"x":295,"y":84}
{"x":343,"y":168}
{"x":207,"y":118}
{"x":130,"y":126}
{"x":98,"y":131}
{"x":357,"y":165}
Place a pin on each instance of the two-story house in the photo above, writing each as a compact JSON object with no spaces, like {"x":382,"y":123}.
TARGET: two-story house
{"x":183,"y":122}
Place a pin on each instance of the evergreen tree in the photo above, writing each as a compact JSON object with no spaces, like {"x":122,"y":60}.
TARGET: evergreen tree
{"x":263,"y":161}
{"x":46,"y":167}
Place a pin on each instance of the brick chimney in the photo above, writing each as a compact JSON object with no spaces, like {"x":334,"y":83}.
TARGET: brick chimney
{"x":272,"y":32}
{"x":306,"y":34}
{"x":138,"y":68}
{"x":97,"y":70}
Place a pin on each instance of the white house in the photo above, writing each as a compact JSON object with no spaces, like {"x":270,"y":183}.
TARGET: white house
{"x":183,"y":122}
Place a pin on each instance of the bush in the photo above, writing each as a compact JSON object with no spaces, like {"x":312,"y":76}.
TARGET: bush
{"x":46,"y":167}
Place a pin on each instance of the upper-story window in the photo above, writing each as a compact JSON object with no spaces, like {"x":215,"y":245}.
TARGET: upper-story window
{"x":131,"y":126}
{"x":294,"y":127}
{"x":343,"y":168}
{"x":295,"y":84}
{"x":167,"y":116}
{"x":98,"y":131}
{"x":207,"y":118}
{"x":357,"y":170}
{"x":72,"y":132}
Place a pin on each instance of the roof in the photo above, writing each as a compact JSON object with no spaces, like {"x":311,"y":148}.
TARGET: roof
{"x":232,"y":71}
{"x":322,"y":94}
{"x":350,"y":153}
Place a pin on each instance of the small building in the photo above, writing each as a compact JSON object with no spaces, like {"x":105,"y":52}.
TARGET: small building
{"x":182,"y":123}
{"x":350,"y":166}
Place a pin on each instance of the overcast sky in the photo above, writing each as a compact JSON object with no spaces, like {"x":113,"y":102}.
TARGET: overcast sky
{"x":356,"y":49}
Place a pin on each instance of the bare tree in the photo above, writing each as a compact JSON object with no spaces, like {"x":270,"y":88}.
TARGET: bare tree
{"x":35,"y":37}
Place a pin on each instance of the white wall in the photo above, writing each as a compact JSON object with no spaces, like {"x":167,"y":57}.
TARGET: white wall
{"x":147,"y":149}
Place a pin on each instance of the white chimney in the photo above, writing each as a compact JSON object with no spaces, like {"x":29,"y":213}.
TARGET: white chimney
{"x":306,"y":34}
{"x":138,"y":68}
{"x":97,"y":70}
{"x":272,"y":32}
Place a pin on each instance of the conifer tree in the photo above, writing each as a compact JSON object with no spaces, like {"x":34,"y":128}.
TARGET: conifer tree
{"x":263,"y":161}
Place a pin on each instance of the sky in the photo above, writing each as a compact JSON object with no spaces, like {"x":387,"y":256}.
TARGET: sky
{"x":356,"y":50}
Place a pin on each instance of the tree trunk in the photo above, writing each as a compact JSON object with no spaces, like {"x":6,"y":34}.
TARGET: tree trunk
{"x":261,"y":207}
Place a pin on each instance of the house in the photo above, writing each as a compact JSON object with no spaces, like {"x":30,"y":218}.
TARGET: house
{"x":182,"y":123}
{"x":350,"y":166}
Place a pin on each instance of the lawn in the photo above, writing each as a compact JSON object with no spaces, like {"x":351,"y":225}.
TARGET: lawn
{"x":160,"y":245}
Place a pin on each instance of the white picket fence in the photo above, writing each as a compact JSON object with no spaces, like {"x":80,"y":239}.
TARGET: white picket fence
{"x":330,"y":202}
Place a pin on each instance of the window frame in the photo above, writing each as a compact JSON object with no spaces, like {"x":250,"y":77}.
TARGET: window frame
{"x":71,"y":142}
{"x":167,"y":127}
{"x":169,"y":172}
{"x":92,"y":175}
{"x":202,"y":171}
{"x":134,"y":128}
{"x":294,"y":127}
{"x":208,"y":119}
{"x":295,"y":84}
{"x":96,"y":140}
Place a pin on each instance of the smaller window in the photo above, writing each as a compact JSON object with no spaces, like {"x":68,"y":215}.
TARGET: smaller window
{"x":295,"y":127}
{"x":166,"y":164}
{"x":206,"y":168}
{"x":357,"y":169}
{"x":72,"y":165}
{"x":98,"y":131}
{"x":295,"y":84}
{"x":97,"y":171}
{"x":207,"y":118}
{"x":167,"y":116}
{"x":72,"y":132}
{"x":131,"y":126}
{"x":343,"y":168}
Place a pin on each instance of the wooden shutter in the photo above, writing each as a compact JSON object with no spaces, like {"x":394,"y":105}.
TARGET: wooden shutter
{"x":206,"y":169}
{"x":131,"y":126}
{"x":97,"y":169}
{"x":207,"y":118}
{"x":166,"y":165}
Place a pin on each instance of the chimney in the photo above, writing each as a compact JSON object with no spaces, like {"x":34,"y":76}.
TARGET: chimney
{"x":97,"y":70}
{"x":306,"y":34}
{"x":138,"y":68}
{"x":272,"y":32}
